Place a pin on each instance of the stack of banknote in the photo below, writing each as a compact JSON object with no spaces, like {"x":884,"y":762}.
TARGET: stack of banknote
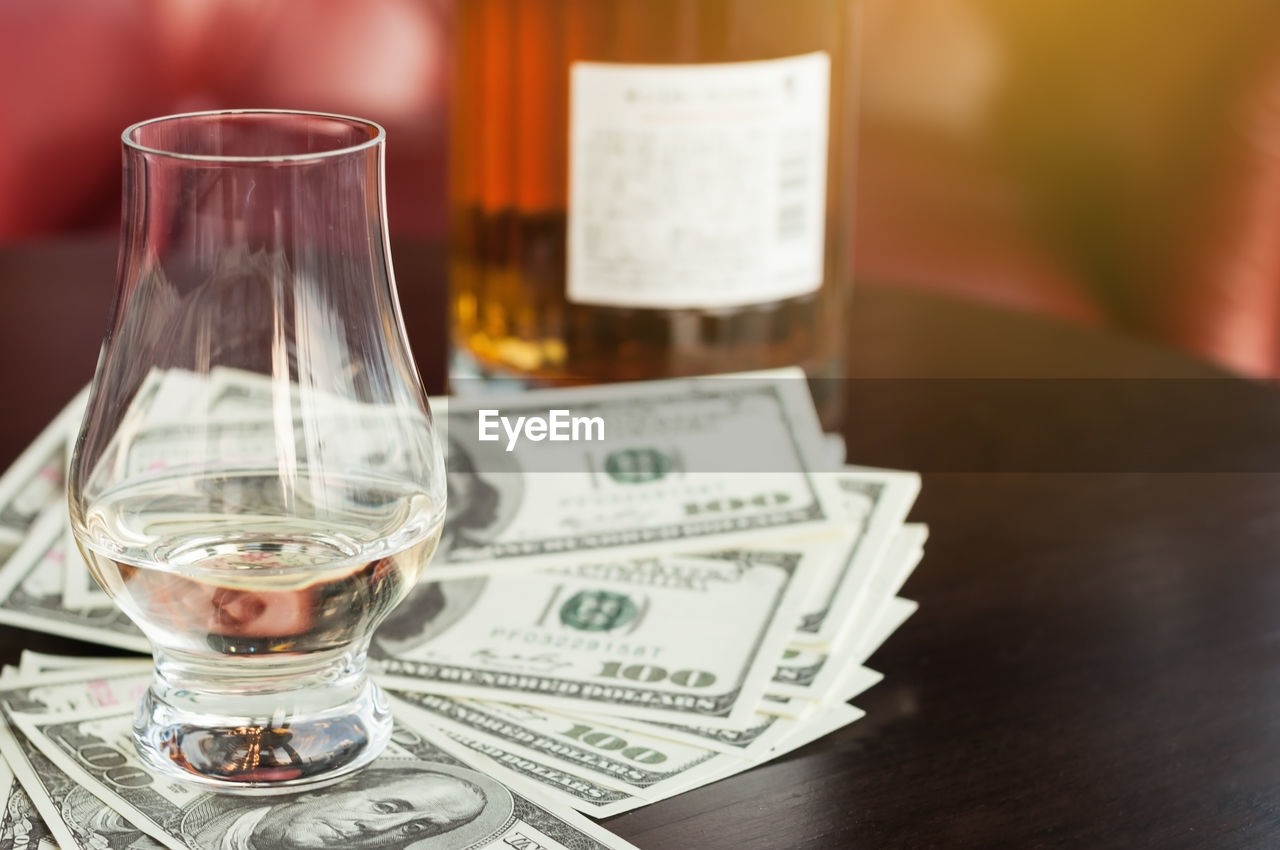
{"x":619,"y":622}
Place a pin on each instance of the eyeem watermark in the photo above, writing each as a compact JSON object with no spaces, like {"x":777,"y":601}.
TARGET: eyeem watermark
{"x":556,"y":426}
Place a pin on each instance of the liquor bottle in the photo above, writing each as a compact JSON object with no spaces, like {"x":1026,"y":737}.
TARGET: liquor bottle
{"x":650,"y":188}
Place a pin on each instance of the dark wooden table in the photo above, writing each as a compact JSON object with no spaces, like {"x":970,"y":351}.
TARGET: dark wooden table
{"x":1096,"y":660}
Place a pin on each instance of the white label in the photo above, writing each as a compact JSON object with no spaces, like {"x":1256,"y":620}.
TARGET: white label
{"x":697,"y":186}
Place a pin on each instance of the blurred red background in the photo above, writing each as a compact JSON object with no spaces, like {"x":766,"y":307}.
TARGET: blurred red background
{"x":75,"y":73}
{"x":1112,"y":163}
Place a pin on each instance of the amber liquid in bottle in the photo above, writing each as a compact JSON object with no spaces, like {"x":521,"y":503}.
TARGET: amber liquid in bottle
{"x":510,"y":190}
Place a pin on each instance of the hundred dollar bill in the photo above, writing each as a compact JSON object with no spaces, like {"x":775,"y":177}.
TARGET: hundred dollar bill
{"x":682,"y":465}
{"x":414,"y":795}
{"x":876,"y":503}
{"x":766,"y":730}
{"x":30,"y":808}
{"x":633,"y":763}
{"x":31,"y":591}
{"x":64,"y":690}
{"x":854,"y":677}
{"x":810,"y":673}
{"x":34,"y":480}
{"x":759,"y":735}
{"x":859,"y":679}
{"x":776,"y":717}
{"x":557,"y":785}
{"x":32,"y":663}
{"x":585,"y":792}
{"x":666,"y":638}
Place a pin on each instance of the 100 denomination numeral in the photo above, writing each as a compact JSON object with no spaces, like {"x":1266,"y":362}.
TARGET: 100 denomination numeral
{"x":610,"y":742}
{"x":111,"y":765}
{"x":650,"y":673}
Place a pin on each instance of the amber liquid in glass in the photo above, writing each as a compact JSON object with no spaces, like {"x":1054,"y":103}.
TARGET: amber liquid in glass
{"x":510,"y":187}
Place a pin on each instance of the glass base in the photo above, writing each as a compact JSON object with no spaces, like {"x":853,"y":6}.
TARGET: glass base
{"x":303,"y":731}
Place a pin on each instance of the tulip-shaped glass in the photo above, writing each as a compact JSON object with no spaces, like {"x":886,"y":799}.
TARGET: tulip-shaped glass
{"x":257,"y":481}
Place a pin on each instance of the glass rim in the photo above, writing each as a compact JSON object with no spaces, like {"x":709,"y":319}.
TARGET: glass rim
{"x":376,"y":139}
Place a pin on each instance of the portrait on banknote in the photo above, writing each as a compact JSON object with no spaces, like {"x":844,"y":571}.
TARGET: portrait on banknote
{"x":408,"y":805}
{"x":430,"y":609}
{"x":485,"y":491}
{"x":99,"y":826}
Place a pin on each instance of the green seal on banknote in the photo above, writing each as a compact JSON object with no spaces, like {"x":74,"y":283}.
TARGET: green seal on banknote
{"x":637,"y":466}
{"x":598,"y":610}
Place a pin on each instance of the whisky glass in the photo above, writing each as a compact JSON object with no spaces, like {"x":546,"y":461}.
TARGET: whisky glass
{"x":257,"y":481}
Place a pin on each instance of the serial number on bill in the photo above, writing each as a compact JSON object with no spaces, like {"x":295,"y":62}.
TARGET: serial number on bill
{"x":576,"y":642}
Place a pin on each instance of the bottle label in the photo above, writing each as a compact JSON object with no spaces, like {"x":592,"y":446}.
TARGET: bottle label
{"x":697,"y":186}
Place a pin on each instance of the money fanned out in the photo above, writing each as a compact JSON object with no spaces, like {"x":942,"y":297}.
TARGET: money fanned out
{"x":611,"y":641}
